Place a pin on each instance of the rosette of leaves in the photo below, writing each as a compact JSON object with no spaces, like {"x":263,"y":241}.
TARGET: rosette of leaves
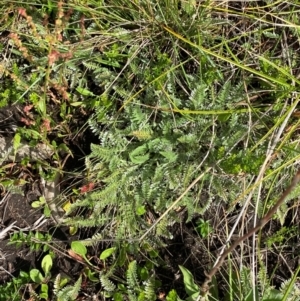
{"x":150,"y":151}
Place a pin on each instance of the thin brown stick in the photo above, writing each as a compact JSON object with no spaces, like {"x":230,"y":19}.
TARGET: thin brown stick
{"x":260,"y":224}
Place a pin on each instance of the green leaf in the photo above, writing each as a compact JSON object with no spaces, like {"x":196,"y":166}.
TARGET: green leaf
{"x":30,"y":134}
{"x":42,"y":200}
{"x":47,"y":211}
{"x":153,"y":253}
{"x":44,"y":291}
{"x":144,"y":274}
{"x":118,"y":297}
{"x":106,"y":253}
{"x":63,"y":282}
{"x":141,"y":296}
{"x":122,"y":257}
{"x":36,"y":276}
{"x":76,"y":103}
{"x":84,"y":92}
{"x":79,"y":248}
{"x":42,"y":106}
{"x":141,"y":210}
{"x":273,"y":295}
{"x":139,"y":159}
{"x":47,"y":264}
{"x":271,"y":35}
{"x":91,"y":275}
{"x":203,"y":228}
{"x":36,"y":204}
{"x":188,"y":6}
{"x":139,"y":155}
{"x":172,"y":296}
{"x":24,"y":274}
{"x":190,"y":286}
{"x":16,"y":142}
{"x":39,"y":203}
{"x":171,"y":156}
{"x":224,"y":117}
{"x":193,"y":297}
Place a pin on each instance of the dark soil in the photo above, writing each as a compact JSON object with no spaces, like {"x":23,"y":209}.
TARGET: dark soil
{"x":16,"y":207}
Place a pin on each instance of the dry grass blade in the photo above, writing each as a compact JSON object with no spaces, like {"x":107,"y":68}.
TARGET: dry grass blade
{"x":260,"y":224}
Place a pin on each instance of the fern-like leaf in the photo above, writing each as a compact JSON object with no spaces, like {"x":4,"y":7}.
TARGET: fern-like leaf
{"x":150,"y":289}
{"x":107,"y":284}
{"x":69,"y":293}
{"x":131,"y":275}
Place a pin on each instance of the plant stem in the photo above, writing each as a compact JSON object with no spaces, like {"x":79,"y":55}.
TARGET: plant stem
{"x":261,"y":223}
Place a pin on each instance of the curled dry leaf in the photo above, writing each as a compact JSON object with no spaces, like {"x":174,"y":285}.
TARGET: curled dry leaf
{"x":27,"y":109}
{"x":46,"y":125}
{"x":86,"y":188}
{"x":22,"y":12}
{"x":75,"y":256}
{"x":27,"y":121}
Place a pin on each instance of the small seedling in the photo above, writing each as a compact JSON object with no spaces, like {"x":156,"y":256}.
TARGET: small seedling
{"x":203,"y":228}
{"x":42,"y":203}
{"x":35,"y":240}
{"x":37,"y":277}
{"x":80,"y":249}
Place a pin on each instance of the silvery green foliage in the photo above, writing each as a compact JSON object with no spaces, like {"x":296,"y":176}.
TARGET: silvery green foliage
{"x":148,"y":157}
{"x":69,"y":292}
